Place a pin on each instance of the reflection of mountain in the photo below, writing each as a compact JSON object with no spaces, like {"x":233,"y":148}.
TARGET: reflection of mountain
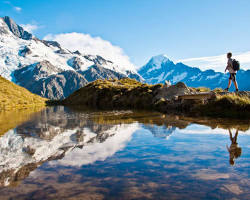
{"x":160,"y":131}
{"x":57,"y":134}
{"x":66,"y":138}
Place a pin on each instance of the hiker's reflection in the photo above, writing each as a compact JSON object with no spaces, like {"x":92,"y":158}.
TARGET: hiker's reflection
{"x":234,"y":150}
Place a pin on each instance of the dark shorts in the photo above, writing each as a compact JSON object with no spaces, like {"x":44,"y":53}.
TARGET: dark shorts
{"x":232,"y":76}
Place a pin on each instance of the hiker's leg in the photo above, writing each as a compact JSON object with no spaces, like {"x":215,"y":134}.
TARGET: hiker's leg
{"x":229,"y":83}
{"x":236,"y":84}
{"x":230,"y":134}
{"x":236,"y":133}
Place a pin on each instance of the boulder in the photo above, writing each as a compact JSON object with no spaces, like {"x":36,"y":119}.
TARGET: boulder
{"x":171,"y":92}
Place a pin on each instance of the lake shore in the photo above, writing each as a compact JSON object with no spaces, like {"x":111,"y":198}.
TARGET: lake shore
{"x":176,"y":99}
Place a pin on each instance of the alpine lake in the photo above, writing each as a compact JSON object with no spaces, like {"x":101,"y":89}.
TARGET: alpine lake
{"x":71,"y":153}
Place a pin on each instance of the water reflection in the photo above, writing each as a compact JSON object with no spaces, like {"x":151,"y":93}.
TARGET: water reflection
{"x":234,"y":150}
{"x":55,"y":134}
{"x":63,"y":154}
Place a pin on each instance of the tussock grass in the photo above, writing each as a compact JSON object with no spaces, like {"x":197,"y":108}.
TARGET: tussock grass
{"x":202,"y":89}
{"x":234,"y":99}
{"x":109,"y":94}
{"x":13,"y":96}
{"x":218,"y":90}
{"x":228,"y":105}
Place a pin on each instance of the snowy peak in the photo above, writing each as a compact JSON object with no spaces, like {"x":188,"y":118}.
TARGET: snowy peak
{"x":155,"y":64}
{"x":48,"y":69}
{"x":17,"y":30}
{"x":158,"y":60}
{"x":160,"y":69}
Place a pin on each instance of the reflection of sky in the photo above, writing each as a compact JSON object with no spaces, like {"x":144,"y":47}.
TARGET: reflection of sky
{"x":201,"y":129}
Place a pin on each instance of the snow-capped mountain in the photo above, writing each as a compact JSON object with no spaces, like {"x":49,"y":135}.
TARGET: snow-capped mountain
{"x":160,"y":68}
{"x":46,"y":68}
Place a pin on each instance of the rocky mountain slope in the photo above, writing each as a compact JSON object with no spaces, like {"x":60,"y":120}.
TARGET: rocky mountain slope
{"x":160,"y":68}
{"x":46,"y":68}
{"x":14,"y":96}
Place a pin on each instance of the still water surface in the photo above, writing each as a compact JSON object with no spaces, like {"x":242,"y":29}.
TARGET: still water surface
{"x":59,"y":153}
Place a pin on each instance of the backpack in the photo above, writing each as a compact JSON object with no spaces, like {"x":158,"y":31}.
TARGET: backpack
{"x":236,"y":65}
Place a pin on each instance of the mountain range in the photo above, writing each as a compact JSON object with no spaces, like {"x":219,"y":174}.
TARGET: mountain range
{"x":52,"y":71}
{"x":47,"y":69}
{"x":160,"y":68}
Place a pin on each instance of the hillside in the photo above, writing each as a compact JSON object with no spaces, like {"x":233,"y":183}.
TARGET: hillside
{"x":131,"y":94}
{"x":109,"y":94}
{"x":14,"y":96}
{"x":160,"y":68}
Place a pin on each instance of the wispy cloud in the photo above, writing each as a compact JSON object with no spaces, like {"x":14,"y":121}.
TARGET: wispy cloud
{"x":18,"y":9}
{"x":87,"y":44}
{"x":218,"y":63}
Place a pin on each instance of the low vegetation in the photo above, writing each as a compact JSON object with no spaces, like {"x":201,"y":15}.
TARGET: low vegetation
{"x":13,"y":96}
{"x":131,"y":94}
{"x":109,"y":94}
{"x":227,"y":105}
{"x":202,"y":89}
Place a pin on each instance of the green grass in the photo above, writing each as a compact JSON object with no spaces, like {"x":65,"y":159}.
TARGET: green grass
{"x":13,"y":96}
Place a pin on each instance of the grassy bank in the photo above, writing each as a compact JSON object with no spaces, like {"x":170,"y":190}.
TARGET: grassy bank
{"x":131,"y":94}
{"x":111,"y":94}
{"x":227,"y":105}
{"x":13,"y":96}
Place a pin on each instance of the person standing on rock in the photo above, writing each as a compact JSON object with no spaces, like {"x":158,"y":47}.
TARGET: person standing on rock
{"x":232,"y":71}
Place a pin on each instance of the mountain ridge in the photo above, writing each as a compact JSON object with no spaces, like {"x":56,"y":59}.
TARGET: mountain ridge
{"x":48,"y":69}
{"x":160,"y":69}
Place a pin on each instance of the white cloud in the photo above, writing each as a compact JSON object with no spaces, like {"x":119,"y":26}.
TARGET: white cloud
{"x":18,"y":9}
{"x":30,"y":27}
{"x":87,"y":44}
{"x":218,"y":63}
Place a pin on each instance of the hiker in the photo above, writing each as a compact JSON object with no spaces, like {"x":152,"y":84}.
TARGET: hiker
{"x":234,"y":150}
{"x":232,"y":67}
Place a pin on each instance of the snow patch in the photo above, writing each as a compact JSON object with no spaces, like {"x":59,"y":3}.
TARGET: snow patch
{"x":179,"y":77}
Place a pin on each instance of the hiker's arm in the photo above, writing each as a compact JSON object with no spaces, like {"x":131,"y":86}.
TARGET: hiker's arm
{"x":227,"y":67}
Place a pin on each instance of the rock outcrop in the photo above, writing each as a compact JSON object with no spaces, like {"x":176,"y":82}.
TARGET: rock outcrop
{"x":16,"y":29}
{"x":172,"y":92}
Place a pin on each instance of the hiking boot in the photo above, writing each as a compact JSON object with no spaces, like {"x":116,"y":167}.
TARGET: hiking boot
{"x":226,"y":89}
{"x":237,"y":90}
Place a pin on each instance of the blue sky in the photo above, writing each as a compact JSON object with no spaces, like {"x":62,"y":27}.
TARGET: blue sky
{"x":181,"y":29}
